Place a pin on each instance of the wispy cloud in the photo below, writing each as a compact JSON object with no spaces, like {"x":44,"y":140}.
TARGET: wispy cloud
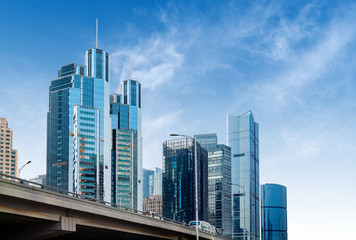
{"x":157,"y":130}
{"x":154,"y":61}
{"x":308,"y":65}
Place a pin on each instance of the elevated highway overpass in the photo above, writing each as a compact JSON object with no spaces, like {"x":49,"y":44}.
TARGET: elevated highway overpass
{"x":30,"y":212}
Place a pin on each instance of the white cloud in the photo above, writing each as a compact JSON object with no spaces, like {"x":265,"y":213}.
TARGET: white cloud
{"x":305,"y":65}
{"x":156,"y":131}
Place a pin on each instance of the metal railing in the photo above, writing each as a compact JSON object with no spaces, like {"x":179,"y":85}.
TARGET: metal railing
{"x":91,"y":199}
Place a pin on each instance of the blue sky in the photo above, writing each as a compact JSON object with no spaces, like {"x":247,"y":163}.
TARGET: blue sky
{"x":291,"y":62}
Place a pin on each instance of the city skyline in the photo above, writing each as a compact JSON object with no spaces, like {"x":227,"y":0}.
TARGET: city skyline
{"x":290,"y":63}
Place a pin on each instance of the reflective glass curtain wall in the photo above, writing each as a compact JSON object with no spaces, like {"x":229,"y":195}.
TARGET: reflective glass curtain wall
{"x":242,"y":137}
{"x":178,"y":193}
{"x":124,"y":166}
{"x":273,"y":212}
{"x":146,"y":182}
{"x":219,"y":174}
{"x":131,"y":92}
{"x":88,"y":87}
{"x":156,"y":182}
{"x":125,"y":111}
{"x":97,"y":62}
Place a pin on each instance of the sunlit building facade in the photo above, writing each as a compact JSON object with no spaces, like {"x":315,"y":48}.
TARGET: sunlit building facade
{"x":153,"y":204}
{"x":178,"y":194}
{"x":8,"y":156}
{"x":78,"y":128}
{"x":242,"y":137}
{"x":273,"y":212}
{"x":219,"y":177}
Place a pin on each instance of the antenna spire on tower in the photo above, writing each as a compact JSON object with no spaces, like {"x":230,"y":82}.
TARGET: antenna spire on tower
{"x":130,"y":66}
{"x":96,"y":33}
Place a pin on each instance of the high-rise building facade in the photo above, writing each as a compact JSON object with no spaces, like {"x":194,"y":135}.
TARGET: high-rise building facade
{"x":273,"y":212}
{"x":124,"y":165}
{"x":219,"y":177}
{"x":147,"y":186}
{"x":242,"y":137}
{"x":178,"y":194}
{"x":8,"y":156}
{"x":78,"y":128}
{"x":127,"y":175}
{"x":152,"y":182}
{"x":155,"y":182}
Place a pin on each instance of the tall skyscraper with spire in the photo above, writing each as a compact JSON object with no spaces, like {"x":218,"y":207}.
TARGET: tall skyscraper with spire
{"x":242,"y":137}
{"x":78,"y":128}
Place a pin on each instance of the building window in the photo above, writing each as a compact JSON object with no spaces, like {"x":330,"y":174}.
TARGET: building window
{"x":133,"y":93}
{"x":139,"y":95}
{"x":99,"y":64}
{"x":89,"y":63}
{"x":125,"y":92}
{"x":107,"y":67}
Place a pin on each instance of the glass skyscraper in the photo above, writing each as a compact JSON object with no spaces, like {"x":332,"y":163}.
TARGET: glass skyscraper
{"x":155,"y":182}
{"x":147,"y":187}
{"x":242,"y":137}
{"x":219,"y":174}
{"x":178,"y":194}
{"x":78,"y":128}
{"x":152,"y":182}
{"x":124,"y":168}
{"x":127,"y":175}
{"x":273,"y":212}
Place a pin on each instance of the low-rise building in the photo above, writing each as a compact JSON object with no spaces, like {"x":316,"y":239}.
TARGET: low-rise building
{"x":153,"y":204}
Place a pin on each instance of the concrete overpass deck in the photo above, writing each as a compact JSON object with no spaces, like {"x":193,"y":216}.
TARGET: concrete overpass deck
{"x":29,"y":212}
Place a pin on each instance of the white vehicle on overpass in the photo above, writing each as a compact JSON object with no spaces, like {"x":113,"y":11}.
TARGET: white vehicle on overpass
{"x":203,"y":226}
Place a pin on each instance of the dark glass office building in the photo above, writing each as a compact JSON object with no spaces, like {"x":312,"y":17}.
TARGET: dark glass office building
{"x":178,"y":194}
{"x":219,"y":177}
{"x":273,"y":212}
{"x":242,"y":137}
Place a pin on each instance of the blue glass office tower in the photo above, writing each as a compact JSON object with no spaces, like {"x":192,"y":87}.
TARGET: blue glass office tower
{"x":219,"y":174}
{"x":155,"y":182}
{"x":152,"y":182}
{"x":147,"y":187}
{"x":273,"y":212}
{"x":78,"y":128}
{"x":178,"y":193}
{"x":242,"y":137}
{"x":125,"y":111}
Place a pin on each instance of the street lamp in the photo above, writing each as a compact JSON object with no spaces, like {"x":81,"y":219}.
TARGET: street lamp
{"x":243,"y":198}
{"x":196,"y":178}
{"x":23,"y":167}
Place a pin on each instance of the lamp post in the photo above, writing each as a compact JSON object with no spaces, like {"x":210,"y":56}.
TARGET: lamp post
{"x":23,"y":167}
{"x":243,"y":199}
{"x":196,"y":179}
